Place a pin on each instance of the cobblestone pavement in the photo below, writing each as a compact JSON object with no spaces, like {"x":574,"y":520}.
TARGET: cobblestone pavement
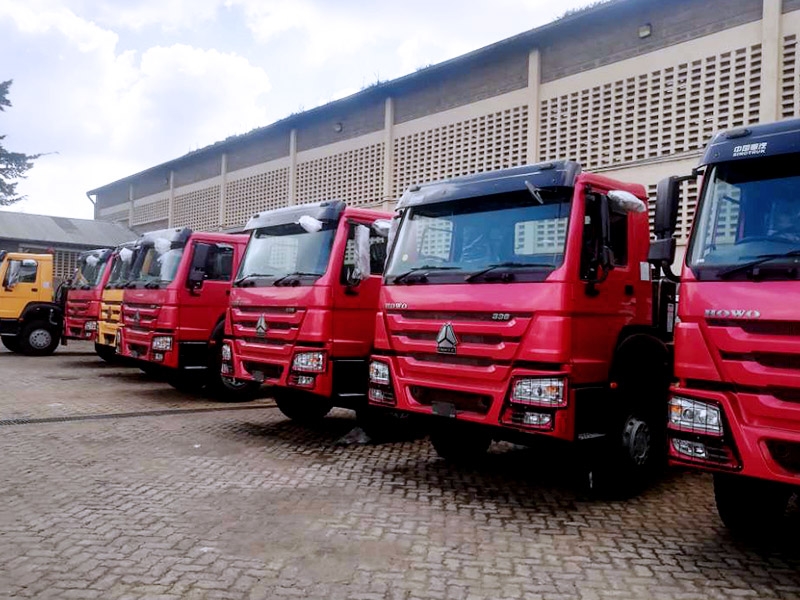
{"x":242,"y":503}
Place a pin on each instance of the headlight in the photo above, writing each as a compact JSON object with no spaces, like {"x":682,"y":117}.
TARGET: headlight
{"x":309,"y":361}
{"x":694,"y":416}
{"x":545,"y":391}
{"x":225,"y":352}
{"x":379,"y":372}
{"x":162,"y":342}
{"x":90,"y":326}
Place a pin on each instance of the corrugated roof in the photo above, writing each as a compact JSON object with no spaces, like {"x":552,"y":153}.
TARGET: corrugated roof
{"x":62,"y":230}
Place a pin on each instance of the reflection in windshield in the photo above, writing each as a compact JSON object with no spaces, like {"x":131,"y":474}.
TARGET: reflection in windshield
{"x":278,"y":251}
{"x":121,"y":268}
{"x":157,"y":263}
{"x":750,"y":210}
{"x":90,"y":271}
{"x":507,"y":231}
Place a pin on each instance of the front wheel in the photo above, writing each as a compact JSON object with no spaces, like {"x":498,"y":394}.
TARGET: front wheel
{"x":459,"y":443}
{"x":38,"y":338}
{"x":11,"y":342}
{"x":302,"y":407}
{"x":107,"y":353}
{"x":750,"y":507}
{"x":189,"y":382}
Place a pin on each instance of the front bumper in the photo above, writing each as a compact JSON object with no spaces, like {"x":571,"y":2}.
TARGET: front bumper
{"x":138,"y":344}
{"x":438,"y":390}
{"x":75,"y":328}
{"x":760,"y":437}
{"x":271,"y":364}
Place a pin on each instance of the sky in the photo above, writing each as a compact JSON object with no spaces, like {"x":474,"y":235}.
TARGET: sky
{"x":104,"y":90}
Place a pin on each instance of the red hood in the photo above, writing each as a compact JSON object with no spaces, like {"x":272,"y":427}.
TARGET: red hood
{"x":745,"y":333}
{"x":141,"y":308}
{"x":489,"y":324}
{"x":289,"y":312}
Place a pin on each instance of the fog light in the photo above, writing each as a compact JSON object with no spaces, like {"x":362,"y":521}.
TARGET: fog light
{"x":538,"y":391}
{"x":691,"y":449}
{"x":90,"y":326}
{"x":537,"y":419}
{"x":226,"y":352}
{"x":313,"y":362}
{"x":306,"y":380}
{"x":118,"y":341}
{"x":379,"y":372}
{"x":694,"y":416}
{"x":158,"y":356}
{"x":225,"y":369}
{"x":162,"y":342}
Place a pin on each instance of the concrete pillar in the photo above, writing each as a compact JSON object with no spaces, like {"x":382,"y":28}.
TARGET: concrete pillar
{"x":533,"y":106}
{"x":293,"y":167}
{"x":171,"y":213}
{"x":130,"y":204}
{"x":223,"y":188}
{"x":770,"y":60}
{"x":388,"y":152}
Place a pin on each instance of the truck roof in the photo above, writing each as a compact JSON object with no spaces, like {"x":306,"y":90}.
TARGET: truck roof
{"x":330,"y":210}
{"x":754,"y":141}
{"x":559,"y":173}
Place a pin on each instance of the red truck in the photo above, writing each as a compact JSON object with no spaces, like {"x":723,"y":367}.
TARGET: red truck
{"x":84,"y":294}
{"x":302,"y":311}
{"x":735,"y":407}
{"x":520,"y":303}
{"x":174,"y":306}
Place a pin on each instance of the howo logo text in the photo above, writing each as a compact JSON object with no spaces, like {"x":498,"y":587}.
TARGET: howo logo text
{"x":734,"y":313}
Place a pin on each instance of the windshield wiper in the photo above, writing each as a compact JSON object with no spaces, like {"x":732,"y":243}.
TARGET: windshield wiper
{"x":297,"y":274}
{"x":424,"y":276}
{"x":247,"y":279}
{"x":761,"y":259}
{"x":155,"y":284}
{"x":503,"y":265}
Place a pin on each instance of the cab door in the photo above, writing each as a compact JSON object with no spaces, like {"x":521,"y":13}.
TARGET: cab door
{"x":202,"y":305}
{"x":19,"y":285}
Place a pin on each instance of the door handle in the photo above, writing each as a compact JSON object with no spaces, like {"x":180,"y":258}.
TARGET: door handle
{"x":34,"y":289}
{"x":629,"y":290}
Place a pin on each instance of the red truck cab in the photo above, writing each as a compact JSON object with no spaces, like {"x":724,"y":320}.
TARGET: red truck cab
{"x":84,"y":294}
{"x":520,"y":303}
{"x":174,"y":305}
{"x":734,"y":409}
{"x":302,"y":311}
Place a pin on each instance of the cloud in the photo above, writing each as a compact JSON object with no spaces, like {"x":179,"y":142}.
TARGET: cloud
{"x":108,"y":113}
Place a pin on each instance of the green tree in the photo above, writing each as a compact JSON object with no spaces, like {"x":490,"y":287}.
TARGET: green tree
{"x":13,"y":165}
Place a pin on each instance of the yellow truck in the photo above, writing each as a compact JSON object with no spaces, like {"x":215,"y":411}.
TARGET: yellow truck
{"x":110,"y":319}
{"x":30,"y":321}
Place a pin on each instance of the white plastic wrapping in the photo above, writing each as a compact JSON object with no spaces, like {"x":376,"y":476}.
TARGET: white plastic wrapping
{"x":92,"y":260}
{"x":361,"y":269}
{"x":624,"y":202}
{"x":125,"y":255}
{"x":310,"y":224}
{"x":162,"y":245}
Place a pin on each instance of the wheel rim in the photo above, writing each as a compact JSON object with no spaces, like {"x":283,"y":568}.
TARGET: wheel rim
{"x":40,"y":339}
{"x":637,"y":439}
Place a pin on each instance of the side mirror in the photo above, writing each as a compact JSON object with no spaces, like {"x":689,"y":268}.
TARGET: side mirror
{"x":361,"y":269}
{"x":662,"y":249}
{"x":197,"y":271}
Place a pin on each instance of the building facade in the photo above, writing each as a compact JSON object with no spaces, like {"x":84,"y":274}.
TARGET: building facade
{"x":630,"y":88}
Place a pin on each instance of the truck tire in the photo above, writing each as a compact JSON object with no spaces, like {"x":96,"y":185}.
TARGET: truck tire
{"x":107,"y":353}
{"x":227,"y":389}
{"x":11,"y":342}
{"x":751,"y":507}
{"x":39,"y":338}
{"x":459,"y":443}
{"x":302,"y":407}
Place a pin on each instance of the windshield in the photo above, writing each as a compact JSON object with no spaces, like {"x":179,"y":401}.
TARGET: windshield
{"x":750,"y":211}
{"x":156,"y":264}
{"x":511,"y":234}
{"x":90,"y":270}
{"x":287,"y":250}
{"x":120,"y":268}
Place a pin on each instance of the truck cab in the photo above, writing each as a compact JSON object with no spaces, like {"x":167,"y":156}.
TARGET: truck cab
{"x":30,"y":322}
{"x":302,"y":311}
{"x":520,"y":303}
{"x":734,"y":409}
{"x":174,"y":306}
{"x":84,"y":295}
{"x":120,"y":263}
